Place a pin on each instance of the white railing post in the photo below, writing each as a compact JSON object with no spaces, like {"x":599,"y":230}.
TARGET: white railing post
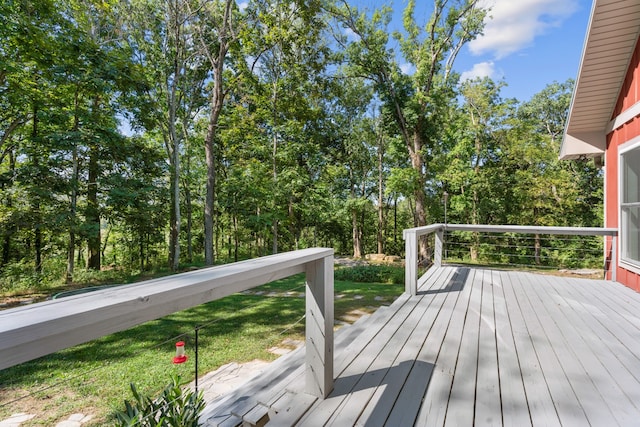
{"x":319,"y":327}
{"x":614,"y":261}
{"x":437,"y":251}
{"x":411,"y":262}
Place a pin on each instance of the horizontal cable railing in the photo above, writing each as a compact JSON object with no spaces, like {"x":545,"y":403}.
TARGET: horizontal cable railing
{"x":21,"y":390}
{"x":508,"y":246}
{"x":523,"y":251}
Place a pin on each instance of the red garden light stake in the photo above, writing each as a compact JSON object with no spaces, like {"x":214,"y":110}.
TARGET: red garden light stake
{"x":180,"y":357}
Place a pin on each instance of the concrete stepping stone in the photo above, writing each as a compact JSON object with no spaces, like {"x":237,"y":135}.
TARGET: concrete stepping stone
{"x":16,"y":419}
{"x":75,"y":420}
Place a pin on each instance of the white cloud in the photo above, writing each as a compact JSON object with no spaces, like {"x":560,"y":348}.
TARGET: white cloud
{"x":243,"y":5}
{"x":351,"y":35}
{"x":513,"y":24}
{"x":407,"y":68}
{"x":481,"y":69}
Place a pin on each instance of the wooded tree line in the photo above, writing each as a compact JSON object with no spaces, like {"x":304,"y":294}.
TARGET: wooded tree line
{"x":141,"y":133}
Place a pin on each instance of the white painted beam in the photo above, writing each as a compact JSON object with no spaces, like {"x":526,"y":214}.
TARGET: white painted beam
{"x":39,"y":329}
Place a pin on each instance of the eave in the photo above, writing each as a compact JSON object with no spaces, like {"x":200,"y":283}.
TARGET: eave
{"x":610,"y":41}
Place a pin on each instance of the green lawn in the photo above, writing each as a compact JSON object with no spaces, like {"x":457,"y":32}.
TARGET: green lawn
{"x":94,"y":378}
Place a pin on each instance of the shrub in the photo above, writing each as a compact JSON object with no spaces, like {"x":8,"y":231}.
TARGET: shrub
{"x":175,"y":407}
{"x":371,"y":274}
{"x":21,"y":276}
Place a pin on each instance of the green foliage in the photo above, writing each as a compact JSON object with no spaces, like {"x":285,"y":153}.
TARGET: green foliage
{"x":106,"y":107}
{"x":21,"y":277}
{"x":175,"y":407}
{"x":371,"y":274}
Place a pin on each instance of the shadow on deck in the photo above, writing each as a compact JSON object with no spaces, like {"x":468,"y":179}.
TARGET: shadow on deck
{"x":474,"y":347}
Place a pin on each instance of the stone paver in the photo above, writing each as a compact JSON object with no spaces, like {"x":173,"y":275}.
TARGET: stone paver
{"x":16,"y":419}
{"x":74,"y":420}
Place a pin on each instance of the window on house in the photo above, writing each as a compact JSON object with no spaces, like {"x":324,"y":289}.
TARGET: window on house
{"x":630,"y":206}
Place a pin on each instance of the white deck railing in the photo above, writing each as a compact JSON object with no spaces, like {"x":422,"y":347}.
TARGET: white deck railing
{"x":412,"y":237}
{"x":39,"y":329}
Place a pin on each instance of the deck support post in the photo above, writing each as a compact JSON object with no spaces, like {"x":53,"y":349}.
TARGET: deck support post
{"x":411,"y":262}
{"x":319,"y":327}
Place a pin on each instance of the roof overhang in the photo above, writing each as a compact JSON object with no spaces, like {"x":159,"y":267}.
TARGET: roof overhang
{"x":611,"y":39}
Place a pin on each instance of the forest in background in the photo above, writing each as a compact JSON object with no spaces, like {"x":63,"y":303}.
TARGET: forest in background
{"x":142,"y":134}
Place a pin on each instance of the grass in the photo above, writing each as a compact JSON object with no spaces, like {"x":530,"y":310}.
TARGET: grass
{"x":94,"y":378}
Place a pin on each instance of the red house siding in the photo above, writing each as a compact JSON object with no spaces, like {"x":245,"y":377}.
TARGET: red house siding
{"x":629,"y":95}
{"x":630,"y":92}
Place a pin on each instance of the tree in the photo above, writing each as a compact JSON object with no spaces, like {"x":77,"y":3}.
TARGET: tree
{"x":473,"y":162}
{"x":547,"y":191}
{"x":171,"y":92}
{"x":416,"y":102}
{"x":135,"y":188}
{"x":94,"y":63}
{"x":216,"y":35}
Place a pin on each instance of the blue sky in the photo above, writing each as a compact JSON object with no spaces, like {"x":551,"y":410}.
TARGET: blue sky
{"x":526,"y":43}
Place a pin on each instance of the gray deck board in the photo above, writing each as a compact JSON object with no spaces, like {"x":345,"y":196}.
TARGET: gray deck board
{"x":412,"y":370}
{"x":513,"y":398}
{"x":407,"y":407}
{"x":474,"y":347}
{"x":463,"y":389}
{"x":563,"y":338}
{"x":488,"y":405}
{"x":621,"y":362}
{"x":568,"y":407}
{"x":580,"y":340}
{"x":359,"y":369}
{"x":540,"y":405}
{"x":434,"y":407}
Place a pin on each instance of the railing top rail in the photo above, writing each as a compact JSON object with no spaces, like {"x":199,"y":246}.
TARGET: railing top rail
{"x":524,"y":229}
{"x":432,"y":228}
{"x":38,"y":329}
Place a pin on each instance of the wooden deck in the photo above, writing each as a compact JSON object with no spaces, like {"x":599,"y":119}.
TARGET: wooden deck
{"x":474,"y":347}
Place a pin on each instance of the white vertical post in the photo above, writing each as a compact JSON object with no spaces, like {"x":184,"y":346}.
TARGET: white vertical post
{"x":411,"y":262}
{"x":437,"y":252}
{"x":614,"y":254}
{"x":319,"y":327}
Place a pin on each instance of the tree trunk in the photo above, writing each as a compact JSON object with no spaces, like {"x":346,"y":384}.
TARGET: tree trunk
{"x":79,"y":257}
{"x":174,"y":149}
{"x":420,"y":219}
{"x":210,"y":190}
{"x":475,"y":244}
{"x":105,"y":242}
{"x":36,"y":205}
{"x":537,"y":248}
{"x":217,"y":101}
{"x":356,"y":235}
{"x":187,"y":203}
{"x":74,"y":200}
{"x":189,"y":213}
{"x":380,"y":195}
{"x":93,"y":212}
{"x":395,"y":220}
{"x":141,"y":251}
{"x":174,"y":239}
{"x":72,"y":235}
{"x":236,"y":243}
{"x":10,"y":229}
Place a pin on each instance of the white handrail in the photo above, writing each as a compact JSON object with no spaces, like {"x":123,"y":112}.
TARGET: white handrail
{"x":412,"y":235}
{"x":39,"y":329}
